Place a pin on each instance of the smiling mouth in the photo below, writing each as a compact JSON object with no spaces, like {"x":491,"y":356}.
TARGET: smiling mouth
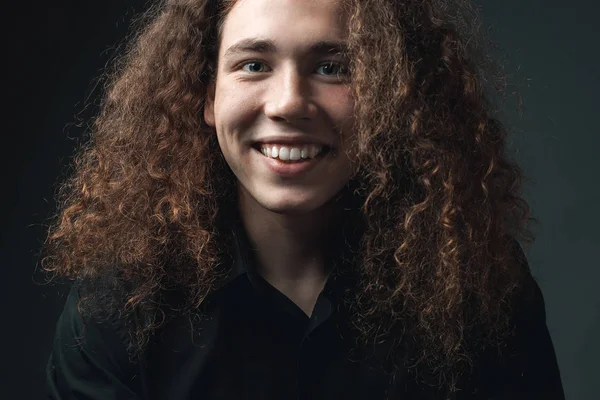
{"x":291,"y":153}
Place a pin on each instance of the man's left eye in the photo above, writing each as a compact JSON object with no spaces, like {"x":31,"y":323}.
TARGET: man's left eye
{"x":332,"y":69}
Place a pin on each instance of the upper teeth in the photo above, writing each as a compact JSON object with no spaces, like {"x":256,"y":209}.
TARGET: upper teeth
{"x":286,"y":153}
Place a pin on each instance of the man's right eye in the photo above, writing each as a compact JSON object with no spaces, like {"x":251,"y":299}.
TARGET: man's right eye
{"x":254,"y":66}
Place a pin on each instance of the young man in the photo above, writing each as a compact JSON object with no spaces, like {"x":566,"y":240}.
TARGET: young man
{"x":296,"y":199}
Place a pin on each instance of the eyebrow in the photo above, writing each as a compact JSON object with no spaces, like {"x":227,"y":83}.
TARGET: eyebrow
{"x":322,"y":47}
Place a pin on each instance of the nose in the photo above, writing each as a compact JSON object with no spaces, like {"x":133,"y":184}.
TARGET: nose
{"x":289,"y":98}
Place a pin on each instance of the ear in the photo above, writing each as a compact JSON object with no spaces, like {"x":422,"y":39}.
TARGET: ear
{"x":209,"y":104}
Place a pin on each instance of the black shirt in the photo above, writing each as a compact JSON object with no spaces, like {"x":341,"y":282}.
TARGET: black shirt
{"x":255,"y":343}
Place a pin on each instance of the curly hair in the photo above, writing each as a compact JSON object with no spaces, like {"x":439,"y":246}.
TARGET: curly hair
{"x":439,"y":199}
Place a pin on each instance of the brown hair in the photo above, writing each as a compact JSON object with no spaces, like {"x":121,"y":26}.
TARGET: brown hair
{"x":439,"y":199}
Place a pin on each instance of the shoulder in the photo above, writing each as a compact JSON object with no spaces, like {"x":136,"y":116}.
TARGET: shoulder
{"x":525,"y":365}
{"x":85,"y":320}
{"x":84,"y":333}
{"x":529,"y":310}
{"x":89,"y":355}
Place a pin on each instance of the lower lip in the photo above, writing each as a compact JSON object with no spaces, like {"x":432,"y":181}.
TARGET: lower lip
{"x":289,"y":169}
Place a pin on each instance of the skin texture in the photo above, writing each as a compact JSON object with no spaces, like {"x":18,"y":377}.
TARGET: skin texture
{"x":293,"y":96}
{"x":435,"y":202}
{"x":286,"y":93}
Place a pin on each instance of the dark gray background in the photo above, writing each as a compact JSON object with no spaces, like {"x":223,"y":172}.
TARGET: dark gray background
{"x":554,"y":46}
{"x":55,"y":50}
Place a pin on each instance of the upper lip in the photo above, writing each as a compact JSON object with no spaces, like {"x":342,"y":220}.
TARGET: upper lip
{"x":291,"y":140}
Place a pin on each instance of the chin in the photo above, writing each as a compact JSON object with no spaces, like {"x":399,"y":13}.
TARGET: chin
{"x":290,"y":200}
{"x":291,"y":206}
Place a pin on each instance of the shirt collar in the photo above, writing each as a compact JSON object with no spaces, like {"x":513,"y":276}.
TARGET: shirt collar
{"x":342,"y":256}
{"x":341,"y":277}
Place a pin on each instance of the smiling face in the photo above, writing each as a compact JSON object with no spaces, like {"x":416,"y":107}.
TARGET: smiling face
{"x":281,"y":104}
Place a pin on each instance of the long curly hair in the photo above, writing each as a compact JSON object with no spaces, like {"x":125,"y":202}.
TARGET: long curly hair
{"x":141,"y":213}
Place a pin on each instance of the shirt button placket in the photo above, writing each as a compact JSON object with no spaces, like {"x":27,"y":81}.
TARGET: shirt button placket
{"x":299,"y":392}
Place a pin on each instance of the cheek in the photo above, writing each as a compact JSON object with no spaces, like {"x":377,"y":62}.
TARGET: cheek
{"x":343,"y":112}
{"x":235,"y":111}
{"x":342,"y":106}
{"x":344,"y":115}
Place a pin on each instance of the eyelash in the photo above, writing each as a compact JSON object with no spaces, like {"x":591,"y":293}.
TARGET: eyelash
{"x":328,"y":63}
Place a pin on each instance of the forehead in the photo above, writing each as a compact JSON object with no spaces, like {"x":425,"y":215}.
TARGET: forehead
{"x":288,"y":23}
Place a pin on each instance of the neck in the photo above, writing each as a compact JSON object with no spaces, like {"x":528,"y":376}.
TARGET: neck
{"x":289,"y":248}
